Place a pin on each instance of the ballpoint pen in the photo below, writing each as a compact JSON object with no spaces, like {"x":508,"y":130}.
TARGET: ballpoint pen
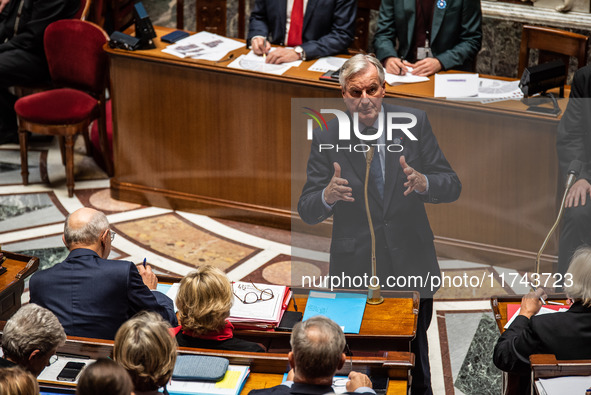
{"x":144,"y":263}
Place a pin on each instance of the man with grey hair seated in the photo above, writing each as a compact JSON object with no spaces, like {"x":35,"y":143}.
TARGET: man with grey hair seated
{"x":91,"y":295}
{"x":30,"y":338}
{"x":567,"y":335}
{"x":316,"y":354}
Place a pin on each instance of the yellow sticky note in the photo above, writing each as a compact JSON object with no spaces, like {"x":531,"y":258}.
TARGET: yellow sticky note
{"x":230,"y":380}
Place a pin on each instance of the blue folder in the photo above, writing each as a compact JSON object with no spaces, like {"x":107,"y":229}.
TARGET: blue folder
{"x":346,"y":309}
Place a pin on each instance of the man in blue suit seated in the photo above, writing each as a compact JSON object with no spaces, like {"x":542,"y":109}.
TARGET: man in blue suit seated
{"x":314,"y":28}
{"x":316,"y":354}
{"x":90,"y":294}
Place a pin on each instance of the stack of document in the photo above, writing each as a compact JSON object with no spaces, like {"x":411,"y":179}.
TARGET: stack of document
{"x":231,"y":384}
{"x":266,"y":313}
{"x":203,"y":45}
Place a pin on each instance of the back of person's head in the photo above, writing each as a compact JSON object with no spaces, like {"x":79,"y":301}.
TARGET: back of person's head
{"x":147,"y":350}
{"x":357,"y":64}
{"x":204,"y":300}
{"x":84,"y":226}
{"x":578,"y":286}
{"x":317,"y":345}
{"x":104,"y":377}
{"x":30,"y":329}
{"x":17,"y":381}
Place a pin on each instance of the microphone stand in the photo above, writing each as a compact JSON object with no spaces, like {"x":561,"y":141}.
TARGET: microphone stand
{"x":373,"y":293}
{"x":569,"y":183}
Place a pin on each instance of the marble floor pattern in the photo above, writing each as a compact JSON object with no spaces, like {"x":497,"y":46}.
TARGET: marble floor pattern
{"x":462,"y":333}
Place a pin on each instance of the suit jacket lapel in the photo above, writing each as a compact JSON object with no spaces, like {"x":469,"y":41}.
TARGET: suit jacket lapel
{"x":410,"y":5}
{"x":282,"y":14}
{"x":438,"y":14}
{"x":308,"y":15}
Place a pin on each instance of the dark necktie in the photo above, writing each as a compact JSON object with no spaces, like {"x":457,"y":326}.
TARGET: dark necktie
{"x":375,"y":169}
{"x":294,"y":37}
{"x":375,"y":173}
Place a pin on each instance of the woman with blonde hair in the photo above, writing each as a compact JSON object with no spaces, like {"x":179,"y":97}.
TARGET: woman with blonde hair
{"x":145,"y":348}
{"x":17,"y":381}
{"x":204,"y":301}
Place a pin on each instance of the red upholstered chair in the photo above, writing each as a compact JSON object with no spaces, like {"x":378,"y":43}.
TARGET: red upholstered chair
{"x":78,"y":64}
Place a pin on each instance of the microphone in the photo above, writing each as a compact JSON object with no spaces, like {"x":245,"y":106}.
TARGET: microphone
{"x":373,"y":293}
{"x":574,"y":169}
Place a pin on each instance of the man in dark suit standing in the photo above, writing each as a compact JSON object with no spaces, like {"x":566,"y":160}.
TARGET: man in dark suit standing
{"x":314,"y":28}
{"x":90,"y":294}
{"x":22,"y":57}
{"x":408,"y":169}
{"x":317,"y":346}
{"x":431,"y":35}
{"x":574,"y":143}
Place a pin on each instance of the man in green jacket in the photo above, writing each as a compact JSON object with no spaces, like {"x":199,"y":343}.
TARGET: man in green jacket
{"x":432,"y":35}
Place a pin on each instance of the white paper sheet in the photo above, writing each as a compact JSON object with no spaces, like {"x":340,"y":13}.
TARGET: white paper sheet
{"x":49,"y":374}
{"x":456,"y":85}
{"x":254,"y":62}
{"x":564,"y":385}
{"x":329,"y":63}
{"x":408,"y":78}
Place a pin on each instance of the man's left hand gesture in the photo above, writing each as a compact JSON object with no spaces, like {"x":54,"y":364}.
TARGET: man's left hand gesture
{"x":415,"y":180}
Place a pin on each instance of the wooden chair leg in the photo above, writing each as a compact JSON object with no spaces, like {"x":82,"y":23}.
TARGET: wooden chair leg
{"x":86,"y":135}
{"x":70,"y":164}
{"x":104,"y":139}
{"x":62,"y":149}
{"x":24,"y":147}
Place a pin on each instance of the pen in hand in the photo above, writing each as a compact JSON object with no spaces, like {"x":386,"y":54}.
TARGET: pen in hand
{"x":144,"y":263}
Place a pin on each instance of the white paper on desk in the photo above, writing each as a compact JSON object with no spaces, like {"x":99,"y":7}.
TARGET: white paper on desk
{"x":254,"y":62}
{"x":203,"y":45}
{"x":49,"y":374}
{"x":171,"y":293}
{"x":456,"y":85}
{"x":491,"y":90}
{"x":542,"y":311}
{"x":564,"y":385}
{"x":329,"y":63}
{"x":408,"y":78}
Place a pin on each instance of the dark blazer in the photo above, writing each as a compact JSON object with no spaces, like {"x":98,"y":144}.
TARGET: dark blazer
{"x":456,"y":31}
{"x":300,"y":388}
{"x":36,"y":15}
{"x":232,"y":344}
{"x":573,"y":140}
{"x":329,"y":25}
{"x":92,"y":296}
{"x":566,"y":335}
{"x":404,"y":238}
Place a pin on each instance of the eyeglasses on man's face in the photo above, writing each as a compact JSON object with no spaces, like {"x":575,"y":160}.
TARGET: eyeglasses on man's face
{"x":254,"y":296}
{"x":112,"y":234}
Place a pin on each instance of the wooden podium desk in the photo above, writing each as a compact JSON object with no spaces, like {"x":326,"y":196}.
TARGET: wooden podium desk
{"x":388,"y":326}
{"x":267,"y":369}
{"x":196,"y":135}
{"x":499,"y":306}
{"x":12,"y":283}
